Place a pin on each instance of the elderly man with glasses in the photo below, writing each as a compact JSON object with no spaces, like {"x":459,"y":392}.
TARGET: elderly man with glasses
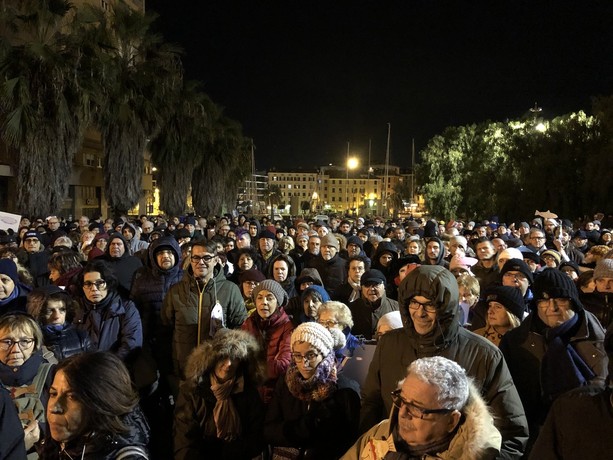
{"x":437,"y":412}
{"x":428,"y":298}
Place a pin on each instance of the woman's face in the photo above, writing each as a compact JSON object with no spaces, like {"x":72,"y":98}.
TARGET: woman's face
{"x":307,"y":358}
{"x":311,"y":305}
{"x":327,"y":319}
{"x":497,"y":315}
{"x":17,"y":353}
{"x":225,"y":369}
{"x":413,"y":248}
{"x":467,"y":296}
{"x":54,"y":274}
{"x":55,"y":312}
{"x":248,"y":287}
{"x":101,"y":244}
{"x":385,"y":259}
{"x":94,"y":287}
{"x":65,"y":414}
{"x":6,"y":286}
{"x":245,"y":262}
{"x":265,"y":303}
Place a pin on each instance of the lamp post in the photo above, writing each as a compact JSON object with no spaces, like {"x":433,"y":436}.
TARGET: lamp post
{"x":352,"y":163}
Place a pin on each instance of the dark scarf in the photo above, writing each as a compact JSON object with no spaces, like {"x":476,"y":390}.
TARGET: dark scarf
{"x":317,"y":388}
{"x":12,"y":296}
{"x":562,"y":368}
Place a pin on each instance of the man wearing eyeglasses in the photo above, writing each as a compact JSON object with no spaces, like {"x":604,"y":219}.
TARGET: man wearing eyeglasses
{"x":429,"y":299}
{"x":203,"y":302}
{"x":536,"y":240}
{"x":437,"y":412}
{"x":557,"y":348}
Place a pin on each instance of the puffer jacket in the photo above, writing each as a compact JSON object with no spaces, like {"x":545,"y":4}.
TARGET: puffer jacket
{"x":104,"y":447}
{"x":274,"y":334}
{"x":151,"y":284}
{"x":475,"y":439}
{"x":480,"y":358}
{"x":66,"y":340}
{"x":333,"y":272}
{"x":112,"y":325}
{"x":524,"y":348}
{"x":195,"y":432}
{"x":180,"y":311}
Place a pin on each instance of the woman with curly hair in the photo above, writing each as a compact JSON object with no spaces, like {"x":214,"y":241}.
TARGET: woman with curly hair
{"x":219,"y":413}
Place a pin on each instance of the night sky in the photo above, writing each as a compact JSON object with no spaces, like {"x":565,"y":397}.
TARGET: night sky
{"x":305,"y":77}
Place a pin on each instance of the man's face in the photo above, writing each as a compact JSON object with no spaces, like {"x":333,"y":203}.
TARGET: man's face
{"x":377,"y":222}
{"x":482,"y":231}
{"x":7,"y":285}
{"x":579,"y":242}
{"x":253,"y":230}
{"x":31,"y":245}
{"x":537,"y":239}
{"x":116,"y":248}
{"x":589,"y":226}
{"x":345,"y":227}
{"x":385,"y":259}
{"x":107,"y":227}
{"x":399,"y":233}
{"x":328,"y":252}
{"x":423,"y":321}
{"x":266,"y":245}
{"x":373,"y":291}
{"x":127,"y":234}
{"x":517,"y":280}
{"x":550,"y":227}
{"x":243,"y":241}
{"x":302,"y":242}
{"x":502,"y":230}
{"x":604,"y":285}
{"x":147,"y":227}
{"x":416,"y":431}
{"x":280,"y":271}
{"x":165,"y":259}
{"x":202,"y":262}
{"x":314,"y":245}
{"x":499,"y":244}
{"x":433,"y":250}
{"x":224,"y":229}
{"x":485,"y":250}
{"x":353,"y":249}
{"x":356,"y":269}
{"x":554,"y":312}
{"x":54,"y":224}
{"x":190,"y":228}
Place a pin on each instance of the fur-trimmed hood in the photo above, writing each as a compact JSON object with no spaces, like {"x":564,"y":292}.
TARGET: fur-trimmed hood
{"x":227,"y":343}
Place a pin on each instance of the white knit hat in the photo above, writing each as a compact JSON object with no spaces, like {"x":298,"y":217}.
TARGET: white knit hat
{"x":315,"y":334}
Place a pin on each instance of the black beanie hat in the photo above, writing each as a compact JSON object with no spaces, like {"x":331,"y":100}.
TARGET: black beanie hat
{"x":551,"y":283}
{"x":508,"y":296}
{"x":517,"y":265}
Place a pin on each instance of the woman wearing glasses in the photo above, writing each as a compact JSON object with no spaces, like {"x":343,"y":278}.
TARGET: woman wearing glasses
{"x":112,"y":323}
{"x":557,"y":348}
{"x":314,"y":411}
{"x":26,"y":371}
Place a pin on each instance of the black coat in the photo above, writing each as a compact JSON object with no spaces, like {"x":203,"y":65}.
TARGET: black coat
{"x":66,"y":341}
{"x":333,"y":272}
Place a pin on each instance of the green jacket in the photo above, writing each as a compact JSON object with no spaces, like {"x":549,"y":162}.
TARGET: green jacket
{"x":481,"y":359}
{"x":180,"y":311}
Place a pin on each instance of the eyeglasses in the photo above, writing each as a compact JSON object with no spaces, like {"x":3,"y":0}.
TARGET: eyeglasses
{"x":310,"y":357}
{"x":251,"y":283}
{"x":515,"y":276}
{"x":328,"y":323}
{"x":198,"y":259}
{"x":428,"y":307}
{"x":100,"y":284}
{"x":557,"y":303}
{"x":412,"y":409}
{"x":537,"y":237}
{"x":24,"y":344}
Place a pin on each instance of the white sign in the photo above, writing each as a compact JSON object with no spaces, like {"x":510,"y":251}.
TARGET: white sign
{"x":9,"y":221}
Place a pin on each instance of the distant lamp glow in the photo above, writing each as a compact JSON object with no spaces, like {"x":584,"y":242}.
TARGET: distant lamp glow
{"x":541,"y":127}
{"x":352,"y":163}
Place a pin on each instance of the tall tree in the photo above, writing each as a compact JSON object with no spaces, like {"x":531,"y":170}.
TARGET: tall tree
{"x":43,"y":109}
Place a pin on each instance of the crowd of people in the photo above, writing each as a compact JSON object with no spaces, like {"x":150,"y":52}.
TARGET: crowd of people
{"x":244,"y":338}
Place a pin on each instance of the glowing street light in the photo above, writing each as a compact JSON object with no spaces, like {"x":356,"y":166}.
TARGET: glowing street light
{"x":352,"y":163}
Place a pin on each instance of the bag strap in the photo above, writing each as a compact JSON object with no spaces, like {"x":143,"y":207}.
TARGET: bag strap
{"x":128,"y":451}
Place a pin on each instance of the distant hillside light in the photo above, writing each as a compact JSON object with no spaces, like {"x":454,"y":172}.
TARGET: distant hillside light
{"x":541,"y":127}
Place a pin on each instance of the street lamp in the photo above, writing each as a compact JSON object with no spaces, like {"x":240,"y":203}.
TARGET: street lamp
{"x":352,"y":163}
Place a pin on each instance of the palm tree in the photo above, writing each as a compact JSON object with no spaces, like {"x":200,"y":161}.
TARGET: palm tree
{"x":177,"y":150}
{"x":136,"y":71}
{"x":272,"y":194}
{"x":43,"y":109}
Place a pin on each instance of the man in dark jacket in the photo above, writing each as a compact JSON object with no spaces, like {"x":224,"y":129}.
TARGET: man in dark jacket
{"x":117,"y":255}
{"x":329,"y":264}
{"x":428,"y":299}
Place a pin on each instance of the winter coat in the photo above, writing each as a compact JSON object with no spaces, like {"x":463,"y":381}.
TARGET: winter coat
{"x":195,"y":432}
{"x":66,"y":340}
{"x":366,"y":315}
{"x":18,"y":302}
{"x":294,"y":307}
{"x":322,"y":429}
{"x":274,"y":334}
{"x":476,"y":437}
{"x":524,"y":348}
{"x":135,"y":244}
{"x":11,"y":435}
{"x":579,"y":426}
{"x":181,"y":307}
{"x":480,"y":358}
{"x":106,"y":447}
{"x":600,"y":304}
{"x":333,"y":272}
{"x":112,"y":325}
{"x":37,"y":265}
{"x":151,"y":284}
{"x":124,"y":267}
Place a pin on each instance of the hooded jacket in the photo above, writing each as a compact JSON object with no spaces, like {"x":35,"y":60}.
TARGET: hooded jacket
{"x":135,"y":244}
{"x":480,"y":358}
{"x":476,"y":437}
{"x":151,"y":284}
{"x":294,"y":306}
{"x":124,"y":267}
{"x":195,"y":433}
{"x":182,"y":303}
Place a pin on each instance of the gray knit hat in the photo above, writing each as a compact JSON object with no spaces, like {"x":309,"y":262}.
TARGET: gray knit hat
{"x":330,"y":240}
{"x":316,"y":335}
{"x":604,"y":269}
{"x":274,"y":287}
